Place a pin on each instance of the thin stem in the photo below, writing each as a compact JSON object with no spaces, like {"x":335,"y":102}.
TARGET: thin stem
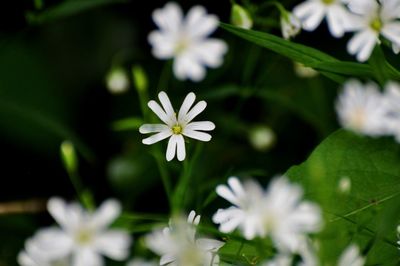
{"x":164,"y":76}
{"x":165,"y":177}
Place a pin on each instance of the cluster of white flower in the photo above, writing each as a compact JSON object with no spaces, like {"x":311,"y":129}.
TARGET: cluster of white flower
{"x":178,"y":245}
{"x":365,"y":110}
{"x":80,"y":240}
{"x":370,"y":19}
{"x":278,"y":212}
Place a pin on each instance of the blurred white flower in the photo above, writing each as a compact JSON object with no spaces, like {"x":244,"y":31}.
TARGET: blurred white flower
{"x":178,"y":245}
{"x":117,"y":81}
{"x":177,"y":126}
{"x":278,"y":212}
{"x":312,"y":12}
{"x":141,"y":262}
{"x":290,"y":25}
{"x":186,"y":40}
{"x":82,"y":236}
{"x":34,"y":256}
{"x":351,"y":257}
{"x":361,"y":109}
{"x":241,"y":17}
{"x":373,"y":19}
{"x":262,"y":137}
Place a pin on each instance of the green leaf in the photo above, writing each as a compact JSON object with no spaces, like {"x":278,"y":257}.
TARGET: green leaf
{"x":67,"y":8}
{"x":329,"y":66}
{"x":367,"y":211}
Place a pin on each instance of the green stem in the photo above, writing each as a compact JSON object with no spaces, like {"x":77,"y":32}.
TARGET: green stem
{"x":160,"y":159}
{"x":84,"y":195}
{"x":164,"y":76}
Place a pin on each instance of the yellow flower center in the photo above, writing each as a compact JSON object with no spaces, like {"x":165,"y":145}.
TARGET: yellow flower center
{"x":181,"y":45}
{"x":84,"y":237}
{"x":376,"y":24}
{"x":328,"y":2}
{"x":177,"y":129}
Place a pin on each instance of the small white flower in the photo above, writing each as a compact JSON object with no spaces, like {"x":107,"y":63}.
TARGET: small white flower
{"x":177,"y":126}
{"x":312,"y":12}
{"x":82,"y":236}
{"x":351,"y":257}
{"x":361,"y":109}
{"x":290,"y":25}
{"x":186,"y":40}
{"x":178,"y":245}
{"x":278,"y":212}
{"x":373,"y":19}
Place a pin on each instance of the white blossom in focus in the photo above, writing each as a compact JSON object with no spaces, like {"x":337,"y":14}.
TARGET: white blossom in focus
{"x":361,"y":109}
{"x":82,"y":238}
{"x":178,"y":245}
{"x":177,"y":125}
{"x":278,"y":212}
{"x":312,"y":12}
{"x":373,"y":19}
{"x":290,"y":25}
{"x":351,"y":257}
{"x":186,"y":41}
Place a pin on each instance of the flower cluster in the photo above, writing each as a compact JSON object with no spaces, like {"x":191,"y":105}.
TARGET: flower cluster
{"x":365,"y":110}
{"x":369,"y":19}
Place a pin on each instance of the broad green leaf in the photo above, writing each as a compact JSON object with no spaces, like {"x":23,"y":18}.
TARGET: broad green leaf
{"x":329,"y":66}
{"x":68,"y":8}
{"x":367,"y":211}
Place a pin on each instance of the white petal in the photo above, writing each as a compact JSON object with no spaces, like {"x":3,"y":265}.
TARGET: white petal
{"x":196,"y":135}
{"x":391,"y":31}
{"x":171,"y":148}
{"x":166,"y":104}
{"x":169,"y":18}
{"x":187,"y":103}
{"x":167,"y":258}
{"x":224,"y":192}
{"x":87,"y":257}
{"x":335,"y":18}
{"x":210,"y":52}
{"x":58,"y":210}
{"x":156,"y":108}
{"x":199,"y":24}
{"x":157,"y":137}
{"x":187,"y":66}
{"x":196,"y":110}
{"x":310,"y":14}
{"x":106,"y":214}
{"x":390,"y":9}
{"x":362,"y":44}
{"x":53,"y":242}
{"x":113,"y":244}
{"x":208,"y":244}
{"x":153,"y":128}
{"x":181,"y":151}
{"x":201,"y":125}
{"x":163,"y":44}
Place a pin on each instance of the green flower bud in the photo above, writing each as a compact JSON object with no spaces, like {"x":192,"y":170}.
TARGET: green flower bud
{"x":241,"y":17}
{"x":139,"y":78}
{"x":68,"y":156}
{"x":117,"y":80}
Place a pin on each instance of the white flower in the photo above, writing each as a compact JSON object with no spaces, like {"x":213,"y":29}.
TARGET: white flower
{"x":178,"y":246}
{"x":312,"y":12}
{"x":361,"y":109}
{"x":186,"y":40}
{"x":351,"y":257}
{"x":177,"y":126}
{"x":278,"y":212}
{"x":374,"y":19}
{"x":290,"y":25}
{"x":82,"y":236}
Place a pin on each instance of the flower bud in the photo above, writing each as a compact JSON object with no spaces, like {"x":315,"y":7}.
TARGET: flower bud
{"x":290,"y":25}
{"x":241,"y":17}
{"x":117,"y":80}
{"x":68,"y":156}
{"x":262,"y":138}
{"x":139,"y":78}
